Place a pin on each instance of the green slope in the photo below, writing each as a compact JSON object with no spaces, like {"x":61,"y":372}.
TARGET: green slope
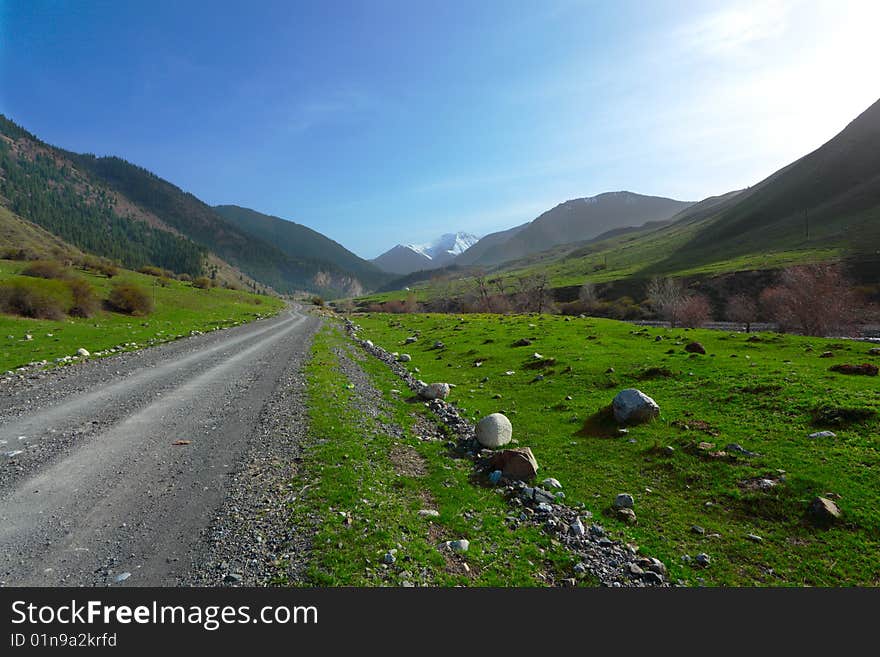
{"x":298,"y":241}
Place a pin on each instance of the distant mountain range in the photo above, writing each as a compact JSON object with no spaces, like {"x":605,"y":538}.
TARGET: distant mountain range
{"x":407,"y":258}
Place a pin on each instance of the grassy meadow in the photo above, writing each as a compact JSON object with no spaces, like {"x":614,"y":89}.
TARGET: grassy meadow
{"x":766,"y":392}
{"x":180,"y":309}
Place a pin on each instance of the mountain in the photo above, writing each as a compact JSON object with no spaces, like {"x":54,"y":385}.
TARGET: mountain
{"x":302,"y":243}
{"x":579,"y":220}
{"x":20,"y":239}
{"x":828,"y":198}
{"x":408,"y":258}
{"x":490,"y":241}
{"x":112,"y":208}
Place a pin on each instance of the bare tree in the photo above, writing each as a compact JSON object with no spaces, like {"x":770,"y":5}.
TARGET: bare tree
{"x":693,"y":311}
{"x":588,"y":297}
{"x":483,"y":291}
{"x":666,"y":296}
{"x":742,"y":309}
{"x":812,"y":299}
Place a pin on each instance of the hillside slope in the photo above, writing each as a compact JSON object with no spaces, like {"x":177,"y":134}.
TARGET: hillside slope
{"x":828,"y":197}
{"x":302,"y":243}
{"x":21,"y":238}
{"x":579,"y":220}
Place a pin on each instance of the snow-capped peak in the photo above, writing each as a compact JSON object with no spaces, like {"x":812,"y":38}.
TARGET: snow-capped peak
{"x":446,"y":246}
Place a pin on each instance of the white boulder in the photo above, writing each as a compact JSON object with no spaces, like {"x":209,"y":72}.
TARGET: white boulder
{"x":494,"y":430}
{"x":632,"y":406}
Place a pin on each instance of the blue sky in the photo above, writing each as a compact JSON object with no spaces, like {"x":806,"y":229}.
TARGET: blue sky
{"x":381,"y":122}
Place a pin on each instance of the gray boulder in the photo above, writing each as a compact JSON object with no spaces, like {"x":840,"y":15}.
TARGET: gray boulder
{"x":632,"y":406}
{"x":434,"y":391}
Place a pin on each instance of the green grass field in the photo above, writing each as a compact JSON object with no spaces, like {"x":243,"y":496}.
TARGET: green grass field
{"x":763,"y":392}
{"x":366,"y":482}
{"x":179,"y":309}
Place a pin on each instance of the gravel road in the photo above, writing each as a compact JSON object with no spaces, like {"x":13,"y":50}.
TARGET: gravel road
{"x":93,"y":488}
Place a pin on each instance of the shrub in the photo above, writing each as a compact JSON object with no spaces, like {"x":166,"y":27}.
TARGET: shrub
{"x":130,"y":299}
{"x":84,"y":302}
{"x":99,"y":266}
{"x":694,"y":311}
{"x":46,"y":269}
{"x":28,"y":300}
{"x":202,"y":282}
{"x":812,"y":299}
{"x":164,"y":281}
{"x":742,"y":310}
{"x":158,"y":272}
{"x":186,"y":278}
{"x":14,"y":253}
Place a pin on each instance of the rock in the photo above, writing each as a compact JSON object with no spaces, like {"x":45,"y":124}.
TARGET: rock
{"x":404,"y":358}
{"x":550,"y":482}
{"x":632,"y":406}
{"x":522,"y":342}
{"x":390,"y":557}
{"x":460,"y":546}
{"x":627,"y":515}
{"x":439,"y":344}
{"x":537,"y":356}
{"x":865,"y":369}
{"x":635,"y":570}
{"x":696,"y":529}
{"x":650,"y":577}
{"x":428,"y":513}
{"x":610,"y":370}
{"x":435,"y":391}
{"x":410,"y":340}
{"x":824,"y":510}
{"x":669,"y":450}
{"x":624,"y":501}
{"x":703,"y":560}
{"x":874,"y":352}
{"x":537,"y":495}
{"x":516,"y":463}
{"x":577,"y":527}
{"x":232,"y":578}
{"x":368,"y":343}
{"x":83,"y":352}
{"x":826,"y":354}
{"x":736,"y":448}
{"x":495,"y":476}
{"x":823,"y":434}
{"x":28,"y":336}
{"x":695,"y":348}
{"x":754,"y":538}
{"x":121,"y":577}
{"x":494,"y":430}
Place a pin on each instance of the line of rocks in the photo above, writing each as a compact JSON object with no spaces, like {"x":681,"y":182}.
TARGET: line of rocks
{"x":612,"y":562}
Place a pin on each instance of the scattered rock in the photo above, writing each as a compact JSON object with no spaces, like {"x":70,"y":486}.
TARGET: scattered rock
{"x":624,"y":501}
{"x":435,"y":391}
{"x":495,"y":476}
{"x":404,"y":358}
{"x":410,"y":340}
{"x":516,"y":463}
{"x":494,"y":430}
{"x":626,"y":515}
{"x":460,"y":546}
{"x":874,"y":351}
{"x":823,"y":434}
{"x":826,"y":354}
{"x":754,"y":538}
{"x":550,"y":482}
{"x":83,"y":352}
{"x":696,"y":529}
{"x":632,"y":406}
{"x":428,"y":513}
{"x":232,"y":578}
{"x":522,"y":342}
{"x":824,"y":510}
{"x":439,"y":344}
{"x":736,"y":448}
{"x":390,"y":557}
{"x":577,"y":527}
{"x":695,"y":348}
{"x":703,"y":560}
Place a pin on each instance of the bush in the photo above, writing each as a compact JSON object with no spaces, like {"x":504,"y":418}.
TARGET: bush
{"x":130,"y":299}
{"x":28,"y":300}
{"x":14,"y":253}
{"x":158,"y":272}
{"x":99,"y":266}
{"x":84,"y":302}
{"x":186,"y":278}
{"x":46,"y":269}
{"x":694,"y":311}
{"x":202,"y":282}
{"x":814,"y":300}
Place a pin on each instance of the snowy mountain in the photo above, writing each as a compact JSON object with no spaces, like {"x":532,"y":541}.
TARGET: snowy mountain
{"x":407,"y":258}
